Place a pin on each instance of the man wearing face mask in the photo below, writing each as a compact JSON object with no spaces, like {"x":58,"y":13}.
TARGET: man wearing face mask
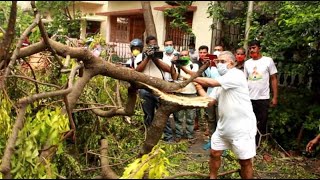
{"x":237,"y":126}
{"x":240,"y":58}
{"x":217,"y":48}
{"x":168,"y":54}
{"x":136,"y":47}
{"x":193,"y":53}
{"x":259,"y":70}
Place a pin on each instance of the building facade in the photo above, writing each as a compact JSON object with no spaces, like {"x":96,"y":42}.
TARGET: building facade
{"x":121,"y":21}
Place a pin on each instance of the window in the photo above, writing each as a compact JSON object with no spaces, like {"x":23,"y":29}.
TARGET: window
{"x":93,"y":27}
{"x":126,"y":28}
{"x":180,"y":39}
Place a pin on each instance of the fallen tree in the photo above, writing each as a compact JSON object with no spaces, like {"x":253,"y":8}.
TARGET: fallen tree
{"x":90,"y":67}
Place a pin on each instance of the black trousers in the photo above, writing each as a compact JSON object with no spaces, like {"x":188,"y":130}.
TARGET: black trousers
{"x":260,"y":109}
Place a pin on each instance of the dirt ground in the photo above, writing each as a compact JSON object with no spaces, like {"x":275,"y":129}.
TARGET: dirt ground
{"x":267,"y":165}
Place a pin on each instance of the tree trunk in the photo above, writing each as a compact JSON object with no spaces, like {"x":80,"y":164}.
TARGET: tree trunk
{"x":249,"y":14}
{"x":148,"y":18}
{"x":9,"y":35}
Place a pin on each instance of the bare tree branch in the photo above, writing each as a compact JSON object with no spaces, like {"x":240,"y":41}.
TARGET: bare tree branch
{"x":34,"y":80}
{"x":3,"y":31}
{"x":127,"y":111}
{"x":106,"y":171}
{"x":33,"y":74}
{"x":44,"y":34}
{"x":199,"y":174}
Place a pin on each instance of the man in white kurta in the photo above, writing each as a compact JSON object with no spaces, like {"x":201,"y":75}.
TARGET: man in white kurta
{"x":236,"y":127}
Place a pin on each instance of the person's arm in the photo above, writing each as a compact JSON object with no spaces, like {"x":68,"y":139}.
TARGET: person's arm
{"x":312,"y":143}
{"x":164,"y":66}
{"x":143,"y":64}
{"x":274,"y":85}
{"x":174,"y":73}
{"x":207,"y":82}
{"x":203,"y":93}
{"x":190,"y":72}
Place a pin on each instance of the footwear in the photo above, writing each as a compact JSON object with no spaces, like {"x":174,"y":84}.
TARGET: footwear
{"x":207,"y":146}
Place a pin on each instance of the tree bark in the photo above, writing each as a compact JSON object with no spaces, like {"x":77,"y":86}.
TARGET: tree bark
{"x":106,"y":171}
{"x":9,"y":35}
{"x":148,"y":18}
{"x":248,"y":22}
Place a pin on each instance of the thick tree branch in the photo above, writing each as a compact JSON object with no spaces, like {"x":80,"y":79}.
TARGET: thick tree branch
{"x":148,"y":18}
{"x":99,"y":66}
{"x":168,"y":104}
{"x":10,"y":32}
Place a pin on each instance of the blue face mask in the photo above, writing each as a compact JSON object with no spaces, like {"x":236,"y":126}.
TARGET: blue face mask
{"x":191,"y":51}
{"x":169,"y":49}
{"x":222,"y":68}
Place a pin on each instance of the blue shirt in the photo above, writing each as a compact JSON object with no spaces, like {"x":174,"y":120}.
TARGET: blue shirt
{"x":211,"y":72}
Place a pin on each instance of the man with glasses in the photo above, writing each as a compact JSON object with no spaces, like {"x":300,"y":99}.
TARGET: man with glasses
{"x":258,"y":71}
{"x":236,"y":128}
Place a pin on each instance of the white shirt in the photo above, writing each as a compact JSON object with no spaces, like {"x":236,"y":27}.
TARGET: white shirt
{"x":258,"y":73}
{"x":190,"y":88}
{"x":167,"y":59}
{"x":236,"y":116}
{"x":194,"y":56}
{"x":151,"y":68}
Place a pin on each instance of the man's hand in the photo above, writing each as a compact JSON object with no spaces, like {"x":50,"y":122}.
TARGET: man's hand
{"x":205,"y":59}
{"x":149,"y":52}
{"x":312,"y":143}
{"x":274,"y":102}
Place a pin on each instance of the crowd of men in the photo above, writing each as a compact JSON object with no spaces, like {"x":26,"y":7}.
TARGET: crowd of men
{"x":239,"y":87}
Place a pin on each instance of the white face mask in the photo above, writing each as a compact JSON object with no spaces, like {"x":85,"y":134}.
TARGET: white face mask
{"x":216,"y":53}
{"x":222,"y":68}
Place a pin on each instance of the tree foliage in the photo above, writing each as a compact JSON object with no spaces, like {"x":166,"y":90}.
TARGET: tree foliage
{"x":63,"y":21}
{"x":177,"y":13}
